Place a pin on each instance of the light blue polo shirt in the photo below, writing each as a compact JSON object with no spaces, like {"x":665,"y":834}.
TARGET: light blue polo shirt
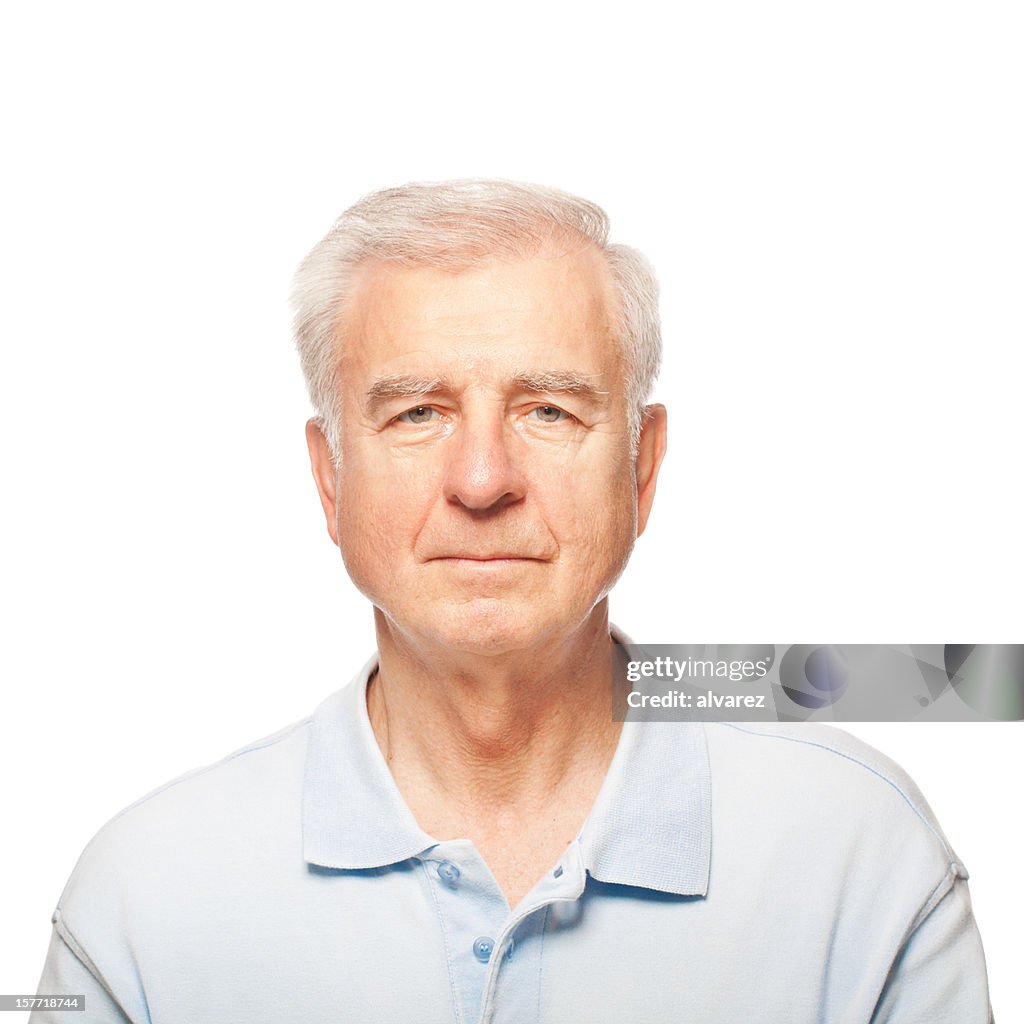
{"x":783,"y":874}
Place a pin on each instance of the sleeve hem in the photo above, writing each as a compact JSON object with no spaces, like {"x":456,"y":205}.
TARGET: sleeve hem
{"x":87,"y":962}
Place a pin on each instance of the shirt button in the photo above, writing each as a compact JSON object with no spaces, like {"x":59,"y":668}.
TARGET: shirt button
{"x":448,"y":872}
{"x":483,"y":947}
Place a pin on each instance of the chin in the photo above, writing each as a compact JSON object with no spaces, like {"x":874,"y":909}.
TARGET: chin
{"x":489,"y":627}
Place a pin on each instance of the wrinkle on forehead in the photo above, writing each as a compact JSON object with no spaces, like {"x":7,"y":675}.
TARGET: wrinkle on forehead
{"x":494,"y":300}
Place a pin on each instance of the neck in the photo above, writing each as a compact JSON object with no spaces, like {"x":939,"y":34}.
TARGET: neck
{"x":470,"y":734}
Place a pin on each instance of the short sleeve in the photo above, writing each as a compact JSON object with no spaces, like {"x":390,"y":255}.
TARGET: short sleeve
{"x":939,"y":976}
{"x":65,"y":973}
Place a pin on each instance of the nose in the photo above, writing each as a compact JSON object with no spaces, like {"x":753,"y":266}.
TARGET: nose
{"x":483,"y":470}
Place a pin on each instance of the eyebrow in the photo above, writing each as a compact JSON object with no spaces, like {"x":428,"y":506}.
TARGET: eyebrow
{"x":557,"y":382}
{"x":402,"y":385}
{"x":544,"y":382}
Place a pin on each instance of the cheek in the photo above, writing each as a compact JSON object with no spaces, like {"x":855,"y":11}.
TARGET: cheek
{"x":591,"y":509}
{"x":383,"y":505}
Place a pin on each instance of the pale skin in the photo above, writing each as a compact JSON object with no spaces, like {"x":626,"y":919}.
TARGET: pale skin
{"x":485,"y":500}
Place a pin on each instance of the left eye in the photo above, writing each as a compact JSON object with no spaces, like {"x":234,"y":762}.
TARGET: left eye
{"x":549,"y":413}
{"x":421,"y":414}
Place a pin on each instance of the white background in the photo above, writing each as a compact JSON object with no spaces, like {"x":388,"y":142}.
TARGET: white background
{"x":830,"y":194}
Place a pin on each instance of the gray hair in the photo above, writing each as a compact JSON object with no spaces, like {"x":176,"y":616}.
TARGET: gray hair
{"x":453,"y":225}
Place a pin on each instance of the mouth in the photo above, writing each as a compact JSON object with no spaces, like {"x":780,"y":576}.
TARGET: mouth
{"x":483,"y":561}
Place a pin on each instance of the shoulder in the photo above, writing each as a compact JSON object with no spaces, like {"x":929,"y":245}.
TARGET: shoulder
{"x":829,"y":783}
{"x":259,"y":770}
{"x":192,"y":825}
{"x":180,"y":861}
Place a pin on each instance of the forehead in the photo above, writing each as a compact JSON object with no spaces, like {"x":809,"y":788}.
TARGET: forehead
{"x":549,"y":310}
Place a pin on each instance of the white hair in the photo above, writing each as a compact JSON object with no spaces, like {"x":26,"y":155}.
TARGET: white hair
{"x":453,"y":225}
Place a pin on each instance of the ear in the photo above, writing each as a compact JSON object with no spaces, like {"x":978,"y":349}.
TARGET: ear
{"x":650,"y":452}
{"x":324,"y":473}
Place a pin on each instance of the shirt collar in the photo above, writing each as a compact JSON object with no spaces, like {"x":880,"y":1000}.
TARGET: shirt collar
{"x":650,"y":825}
{"x":353,"y":815}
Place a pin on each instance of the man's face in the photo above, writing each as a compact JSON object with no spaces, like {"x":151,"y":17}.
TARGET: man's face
{"x":486,"y":498}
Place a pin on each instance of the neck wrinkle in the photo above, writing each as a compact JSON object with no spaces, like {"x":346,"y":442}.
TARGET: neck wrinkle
{"x":511,"y":733}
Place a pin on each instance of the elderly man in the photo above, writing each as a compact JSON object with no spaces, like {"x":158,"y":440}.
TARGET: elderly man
{"x":463,"y":833}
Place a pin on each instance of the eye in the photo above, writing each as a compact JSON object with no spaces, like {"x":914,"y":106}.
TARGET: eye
{"x":419,"y":415}
{"x":549,"y":413}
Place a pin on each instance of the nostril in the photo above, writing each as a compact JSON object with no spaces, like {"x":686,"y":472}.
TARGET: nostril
{"x":481,"y":474}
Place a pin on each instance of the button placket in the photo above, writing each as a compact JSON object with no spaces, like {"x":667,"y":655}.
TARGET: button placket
{"x":518,"y":983}
{"x":473,"y":913}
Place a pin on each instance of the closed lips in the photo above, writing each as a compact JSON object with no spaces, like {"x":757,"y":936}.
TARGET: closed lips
{"x":488,"y":558}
